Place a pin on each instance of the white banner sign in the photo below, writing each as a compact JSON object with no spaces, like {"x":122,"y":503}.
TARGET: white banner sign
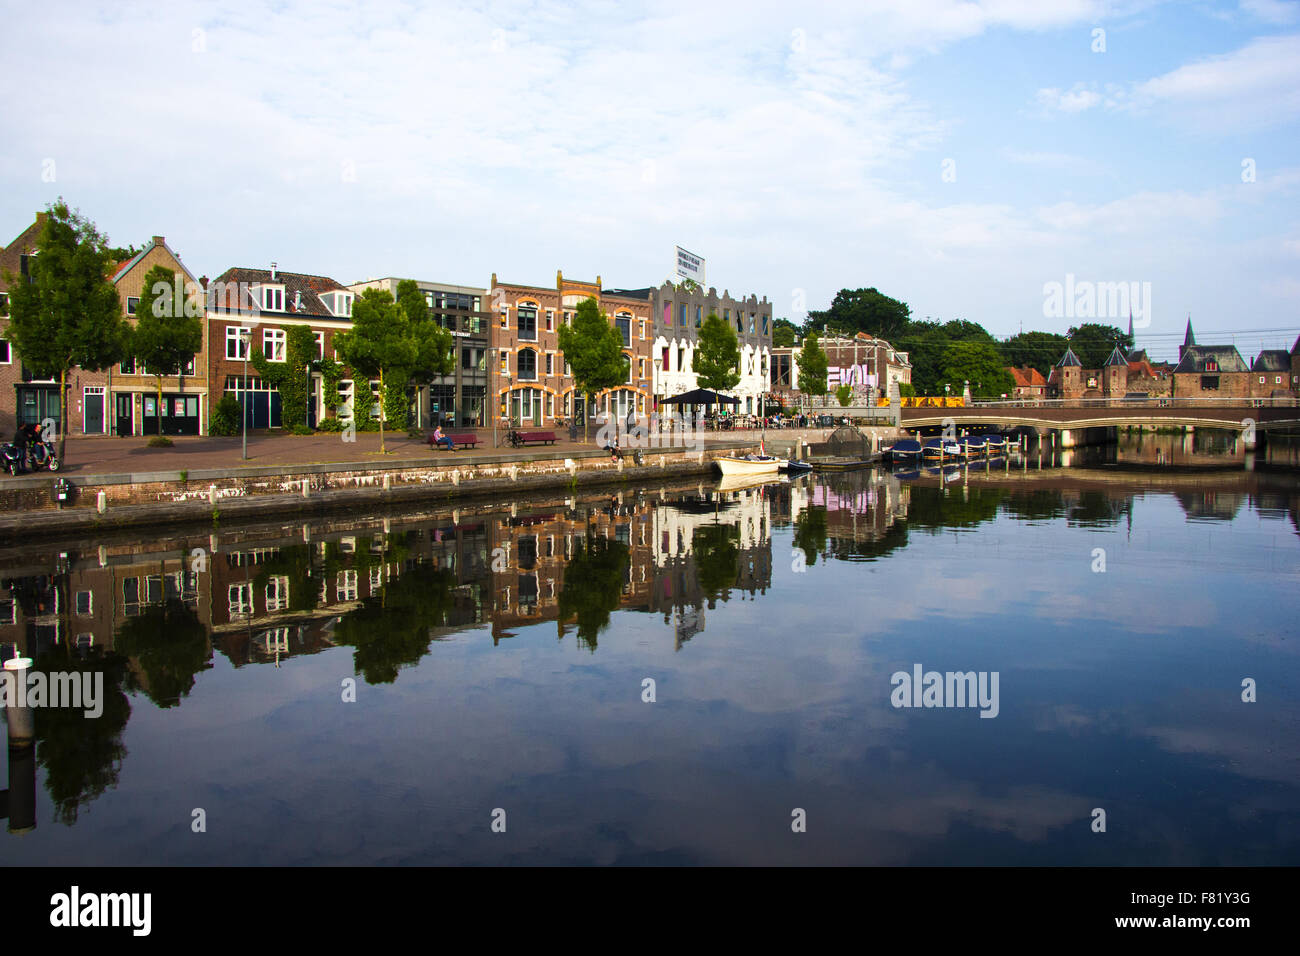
{"x":689,"y":265}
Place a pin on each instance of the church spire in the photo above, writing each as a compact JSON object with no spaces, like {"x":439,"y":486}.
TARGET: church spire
{"x":1189,"y":339}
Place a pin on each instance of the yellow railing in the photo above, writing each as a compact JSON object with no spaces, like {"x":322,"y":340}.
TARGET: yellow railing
{"x":925,"y":401}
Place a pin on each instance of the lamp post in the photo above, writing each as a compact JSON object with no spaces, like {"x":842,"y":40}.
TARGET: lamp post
{"x":246,"y":337}
{"x":654,"y":387}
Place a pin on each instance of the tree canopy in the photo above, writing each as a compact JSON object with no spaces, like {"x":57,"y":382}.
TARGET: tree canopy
{"x":167,"y":334}
{"x":813,"y":367}
{"x":717,"y":355}
{"x":978,"y":363}
{"x":783,"y":333}
{"x":594,"y":350}
{"x":69,"y":314}
{"x":863,"y":310}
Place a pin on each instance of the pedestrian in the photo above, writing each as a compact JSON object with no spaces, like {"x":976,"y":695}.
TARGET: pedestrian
{"x":440,"y":439}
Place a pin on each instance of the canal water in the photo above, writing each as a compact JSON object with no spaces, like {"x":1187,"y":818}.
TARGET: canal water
{"x":688,"y":674}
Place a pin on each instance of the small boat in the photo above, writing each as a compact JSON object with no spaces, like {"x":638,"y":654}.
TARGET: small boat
{"x":974,"y":445}
{"x":940,"y":448}
{"x":995,"y":442}
{"x":749,"y":464}
{"x":905,"y":449}
{"x":793,"y":465}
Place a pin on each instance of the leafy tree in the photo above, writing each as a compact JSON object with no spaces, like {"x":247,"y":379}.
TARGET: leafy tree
{"x":225,"y":416}
{"x":435,"y":352}
{"x":863,"y":310}
{"x":290,"y":376}
{"x":593,"y":585}
{"x":594,"y":350}
{"x":123,"y":253}
{"x":717,"y":355}
{"x":783,"y":333}
{"x":844,"y":395}
{"x":1039,"y":350}
{"x":69,"y":314}
{"x":387,"y":344}
{"x":813,"y":367}
{"x":979,"y":363}
{"x":925,"y":343}
{"x":167,"y":334}
{"x":1093,"y":342}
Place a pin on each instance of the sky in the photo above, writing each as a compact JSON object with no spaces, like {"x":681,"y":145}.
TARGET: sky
{"x":958,"y":155}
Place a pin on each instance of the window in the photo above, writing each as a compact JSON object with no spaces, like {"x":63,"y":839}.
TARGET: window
{"x":1211,"y":365}
{"x":550,"y":320}
{"x":320,"y":345}
{"x":376,"y":411}
{"x":345,"y":400}
{"x":7,"y":615}
{"x":1209,"y":383}
{"x":527,"y":361}
{"x":550,"y":405}
{"x":568,"y":318}
{"x":567,"y":370}
{"x":85,"y":603}
{"x":1261,"y":380}
{"x":505,"y":316}
{"x":681,"y":315}
{"x":699,"y":315}
{"x":726,"y":316}
{"x":345,"y":586}
{"x":550,"y":363}
{"x":527,"y":323}
{"x":6,"y":357}
{"x":236,"y":343}
{"x":240,"y":599}
{"x":1277,"y":380}
{"x":273,"y":344}
{"x":273,"y":298}
{"x":277,"y":593}
{"x":132,"y":303}
{"x":765,"y":325}
{"x":642,"y":367}
{"x":643,"y":328}
{"x":4,"y":303}
{"x":505,"y":361}
{"x":623,"y":322}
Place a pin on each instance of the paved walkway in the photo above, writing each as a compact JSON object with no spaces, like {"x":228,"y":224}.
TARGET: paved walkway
{"x":110,"y":455}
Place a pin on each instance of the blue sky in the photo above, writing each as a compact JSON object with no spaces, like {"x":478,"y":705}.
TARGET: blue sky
{"x":799,"y":149}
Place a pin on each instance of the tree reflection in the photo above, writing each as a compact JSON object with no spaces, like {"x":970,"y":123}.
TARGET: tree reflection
{"x":716,"y":549}
{"x":810,"y":532}
{"x":80,"y":756}
{"x":391,"y":629}
{"x":593,"y":585}
{"x":167,"y":645}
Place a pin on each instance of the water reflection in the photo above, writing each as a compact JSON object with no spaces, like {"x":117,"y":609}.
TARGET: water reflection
{"x":692,"y":581}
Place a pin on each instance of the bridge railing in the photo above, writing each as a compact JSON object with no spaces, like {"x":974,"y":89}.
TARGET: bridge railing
{"x":1166,"y":402}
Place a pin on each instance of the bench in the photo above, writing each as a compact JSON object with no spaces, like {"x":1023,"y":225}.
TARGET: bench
{"x":468,"y":441}
{"x":528,"y":438}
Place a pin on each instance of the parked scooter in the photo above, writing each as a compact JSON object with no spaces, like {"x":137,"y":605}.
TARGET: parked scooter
{"x":37,"y":454}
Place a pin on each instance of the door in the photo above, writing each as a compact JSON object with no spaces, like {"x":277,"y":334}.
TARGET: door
{"x":93,"y":410}
{"x":125,"y":419}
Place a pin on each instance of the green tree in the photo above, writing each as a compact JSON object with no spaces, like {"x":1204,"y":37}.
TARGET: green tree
{"x":167,"y":645}
{"x":435,"y":346}
{"x":863,"y":310}
{"x":810,"y":533}
{"x":69,"y":314}
{"x":812,"y":367}
{"x":979,"y":363}
{"x":925,"y":343}
{"x":783,"y":333}
{"x":387,"y":344}
{"x":593,"y":586}
{"x":844,"y":395}
{"x":1093,"y":342}
{"x":717,"y":355}
{"x":594,"y":350}
{"x":168,"y":331}
{"x":393,"y":629}
{"x":716,"y":548}
{"x":1039,"y":350}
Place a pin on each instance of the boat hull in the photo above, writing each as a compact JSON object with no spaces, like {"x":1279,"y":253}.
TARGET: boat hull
{"x":748,"y":466}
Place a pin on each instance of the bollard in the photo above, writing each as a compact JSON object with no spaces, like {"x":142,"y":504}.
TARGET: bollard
{"x":103,"y":556}
{"x":455,"y":477}
{"x":101,"y":502}
{"x":306,"y":487}
{"x":22,"y":727}
{"x":212,"y":495}
{"x":388,"y":481}
{"x":22,"y":752}
{"x":514,"y":472}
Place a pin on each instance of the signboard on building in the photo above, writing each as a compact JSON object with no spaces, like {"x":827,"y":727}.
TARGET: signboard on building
{"x":689,"y":266}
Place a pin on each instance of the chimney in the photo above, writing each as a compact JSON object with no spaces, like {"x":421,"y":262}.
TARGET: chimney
{"x":559,"y":279}
{"x":203,"y":281}
{"x":273,"y":271}
{"x":157,"y":240}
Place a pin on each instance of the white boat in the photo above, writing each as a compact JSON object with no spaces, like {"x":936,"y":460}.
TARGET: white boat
{"x":749,"y":464}
{"x":743,"y":482}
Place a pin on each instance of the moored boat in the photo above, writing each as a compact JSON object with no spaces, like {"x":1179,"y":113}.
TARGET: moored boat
{"x":749,"y":464}
{"x":973,"y":446}
{"x":905,"y":449}
{"x":940,"y":448}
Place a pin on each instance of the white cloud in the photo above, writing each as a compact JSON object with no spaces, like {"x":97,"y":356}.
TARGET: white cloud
{"x":1272,"y":11}
{"x":1075,"y":100}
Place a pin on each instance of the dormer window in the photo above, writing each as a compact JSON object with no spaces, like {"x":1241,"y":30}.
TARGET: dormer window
{"x":1211,"y":365}
{"x":273,"y":298}
{"x":343,"y":303}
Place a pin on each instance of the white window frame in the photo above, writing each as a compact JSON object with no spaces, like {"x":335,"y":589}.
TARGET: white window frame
{"x":320,"y":345}
{"x":235,"y":333}
{"x":8,"y":358}
{"x":277,"y":593}
{"x":272,"y":298}
{"x":90,"y":603}
{"x":274,"y":345}
{"x":240,"y":599}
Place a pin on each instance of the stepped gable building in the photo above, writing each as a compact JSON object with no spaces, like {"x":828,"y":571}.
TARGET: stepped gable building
{"x":532,"y":385}
{"x":270,"y":302}
{"x":1271,"y":370}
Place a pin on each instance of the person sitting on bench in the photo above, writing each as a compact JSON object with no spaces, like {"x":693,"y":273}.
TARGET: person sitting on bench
{"x":440,"y":439}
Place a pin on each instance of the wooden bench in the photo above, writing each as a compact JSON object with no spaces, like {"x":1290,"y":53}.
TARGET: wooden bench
{"x":468,"y":441}
{"x":528,"y":438}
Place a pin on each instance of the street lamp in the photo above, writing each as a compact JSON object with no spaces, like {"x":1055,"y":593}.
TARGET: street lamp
{"x":246,"y":337}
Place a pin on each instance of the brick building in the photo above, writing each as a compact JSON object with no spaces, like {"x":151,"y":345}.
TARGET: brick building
{"x":122,"y":399}
{"x":270,"y":302}
{"x":23,"y":398}
{"x":529,"y":379}
{"x":1030,"y":383}
{"x":864,"y":362}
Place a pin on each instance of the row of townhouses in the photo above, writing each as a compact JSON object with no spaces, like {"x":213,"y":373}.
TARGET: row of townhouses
{"x":508,"y":360}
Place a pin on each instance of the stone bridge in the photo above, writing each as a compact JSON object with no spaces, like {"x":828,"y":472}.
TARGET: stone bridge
{"x":1052,"y":415}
